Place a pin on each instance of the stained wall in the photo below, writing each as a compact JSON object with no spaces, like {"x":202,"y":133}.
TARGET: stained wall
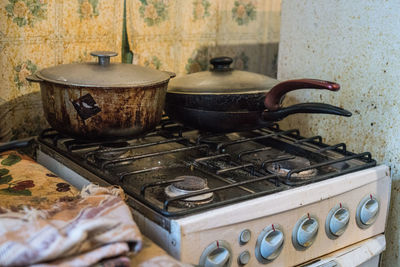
{"x":357,"y":44}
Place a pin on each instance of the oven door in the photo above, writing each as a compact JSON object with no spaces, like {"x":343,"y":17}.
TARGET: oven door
{"x":365,"y":254}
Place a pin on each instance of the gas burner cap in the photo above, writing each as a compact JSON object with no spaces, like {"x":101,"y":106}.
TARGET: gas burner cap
{"x":189,"y":184}
{"x":282,"y":168}
{"x":108,"y":152}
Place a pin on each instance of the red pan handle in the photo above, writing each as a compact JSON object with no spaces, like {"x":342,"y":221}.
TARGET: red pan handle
{"x":274,"y":96}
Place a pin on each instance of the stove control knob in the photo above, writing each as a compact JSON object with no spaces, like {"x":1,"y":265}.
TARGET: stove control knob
{"x":217,"y":254}
{"x":367,"y":211}
{"x":244,"y":237}
{"x":305,"y":232}
{"x":244,"y":258}
{"x":337,"y":221}
{"x":269,"y":243}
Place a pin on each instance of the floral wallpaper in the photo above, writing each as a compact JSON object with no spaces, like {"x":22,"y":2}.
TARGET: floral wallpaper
{"x":243,"y":12}
{"x":174,"y":35}
{"x":182,"y":36}
{"x":22,"y":71}
{"x":26,"y":12}
{"x":201,"y":9}
{"x":153,"y":12}
{"x":198,"y":61}
{"x":88,"y":9}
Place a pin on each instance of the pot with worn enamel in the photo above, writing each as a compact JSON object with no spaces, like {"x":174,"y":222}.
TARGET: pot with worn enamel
{"x":102,"y":100}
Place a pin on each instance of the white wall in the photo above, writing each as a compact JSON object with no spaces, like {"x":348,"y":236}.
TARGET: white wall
{"x":357,"y":44}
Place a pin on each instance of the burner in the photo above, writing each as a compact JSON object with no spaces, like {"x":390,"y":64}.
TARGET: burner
{"x":108,"y":151}
{"x":282,"y":168}
{"x":189,"y":184}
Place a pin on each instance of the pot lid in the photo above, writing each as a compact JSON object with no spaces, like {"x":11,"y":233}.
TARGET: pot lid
{"x":103,"y":73}
{"x":221,"y":80}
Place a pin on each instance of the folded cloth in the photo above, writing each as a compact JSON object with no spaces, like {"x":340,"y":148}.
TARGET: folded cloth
{"x":76,"y":231}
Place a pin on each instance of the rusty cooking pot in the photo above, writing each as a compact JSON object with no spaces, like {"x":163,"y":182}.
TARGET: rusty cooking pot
{"x":102,"y":100}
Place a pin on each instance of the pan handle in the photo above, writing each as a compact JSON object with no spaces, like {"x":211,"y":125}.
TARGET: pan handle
{"x":304,"y":108}
{"x":274,"y":97}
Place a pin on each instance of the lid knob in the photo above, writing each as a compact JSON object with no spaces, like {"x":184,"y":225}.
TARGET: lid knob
{"x":104,"y":56}
{"x":221,"y":63}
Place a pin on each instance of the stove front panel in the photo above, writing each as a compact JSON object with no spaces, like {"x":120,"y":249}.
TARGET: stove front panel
{"x":219,"y":230}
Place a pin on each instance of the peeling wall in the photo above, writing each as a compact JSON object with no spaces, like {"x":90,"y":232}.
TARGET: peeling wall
{"x":357,"y":44}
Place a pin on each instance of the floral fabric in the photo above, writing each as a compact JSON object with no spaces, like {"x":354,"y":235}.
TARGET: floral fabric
{"x":23,"y":182}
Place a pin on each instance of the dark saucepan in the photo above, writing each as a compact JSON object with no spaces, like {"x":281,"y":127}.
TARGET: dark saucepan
{"x":224,"y":100}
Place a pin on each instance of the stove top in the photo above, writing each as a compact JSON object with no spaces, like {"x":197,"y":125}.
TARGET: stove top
{"x":175,"y":171}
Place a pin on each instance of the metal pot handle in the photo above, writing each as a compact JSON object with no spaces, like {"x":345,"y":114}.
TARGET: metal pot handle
{"x":34,"y":78}
{"x":104,"y":56}
{"x":170,"y":73}
{"x":274,"y":97}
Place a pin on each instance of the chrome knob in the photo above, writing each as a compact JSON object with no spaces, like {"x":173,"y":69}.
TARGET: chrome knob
{"x":305,"y":232}
{"x":217,"y":254}
{"x":244,"y":258}
{"x":269,"y":243}
{"x":337,"y":221}
{"x":367,"y":211}
{"x":244,"y":236}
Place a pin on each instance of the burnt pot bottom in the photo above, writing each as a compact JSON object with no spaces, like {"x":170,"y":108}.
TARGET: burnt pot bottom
{"x":216,"y":121}
{"x":218,"y":102}
{"x":102,"y":113}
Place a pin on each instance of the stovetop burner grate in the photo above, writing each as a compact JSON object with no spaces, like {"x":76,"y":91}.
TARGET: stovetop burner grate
{"x":234,"y":165}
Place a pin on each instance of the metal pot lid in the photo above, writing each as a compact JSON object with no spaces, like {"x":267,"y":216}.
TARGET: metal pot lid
{"x":221,"y":80}
{"x":103,"y":73}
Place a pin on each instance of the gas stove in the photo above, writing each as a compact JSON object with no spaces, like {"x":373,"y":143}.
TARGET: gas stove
{"x":255,"y":197}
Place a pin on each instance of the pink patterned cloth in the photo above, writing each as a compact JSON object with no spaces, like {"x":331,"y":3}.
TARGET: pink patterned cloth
{"x":95,"y":225}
